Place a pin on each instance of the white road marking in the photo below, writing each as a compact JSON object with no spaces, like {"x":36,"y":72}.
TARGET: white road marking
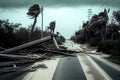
{"x":100,"y":69}
{"x":100,"y":57}
{"x":85,"y":69}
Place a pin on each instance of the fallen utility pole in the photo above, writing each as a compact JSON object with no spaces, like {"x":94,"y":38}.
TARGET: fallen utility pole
{"x":55,"y":42}
{"x":26,"y":45}
{"x":55,"y":52}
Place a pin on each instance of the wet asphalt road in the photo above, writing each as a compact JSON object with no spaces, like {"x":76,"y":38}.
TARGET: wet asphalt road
{"x":69,"y":68}
{"x":112,"y":72}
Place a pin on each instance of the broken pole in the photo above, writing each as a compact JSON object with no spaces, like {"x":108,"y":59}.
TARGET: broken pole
{"x":26,"y":45}
{"x":55,"y":42}
{"x":56,"y":52}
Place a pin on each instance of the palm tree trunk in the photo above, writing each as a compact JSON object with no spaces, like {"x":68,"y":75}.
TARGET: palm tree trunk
{"x":102,"y":33}
{"x":86,"y":36}
{"x":33,"y":26}
{"x":112,"y":35}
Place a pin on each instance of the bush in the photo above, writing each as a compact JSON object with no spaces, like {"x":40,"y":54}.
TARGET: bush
{"x":60,"y":39}
{"x":94,"y":42}
{"x":110,"y":47}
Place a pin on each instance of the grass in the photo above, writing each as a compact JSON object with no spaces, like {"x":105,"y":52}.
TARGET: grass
{"x":114,"y":59}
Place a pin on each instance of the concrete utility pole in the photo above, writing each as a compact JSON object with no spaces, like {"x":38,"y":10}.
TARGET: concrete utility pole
{"x":42,"y":22}
{"x":89,"y":14}
{"x":26,"y":45}
{"x":55,"y":42}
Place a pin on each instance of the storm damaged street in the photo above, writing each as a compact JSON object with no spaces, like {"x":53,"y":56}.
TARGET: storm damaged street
{"x":81,"y":66}
{"x":59,"y":39}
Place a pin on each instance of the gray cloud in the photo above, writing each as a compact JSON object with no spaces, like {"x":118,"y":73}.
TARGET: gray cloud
{"x":56,"y":3}
{"x":14,"y":3}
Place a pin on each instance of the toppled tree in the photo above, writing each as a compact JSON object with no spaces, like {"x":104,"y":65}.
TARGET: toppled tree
{"x":95,"y":29}
{"x":116,"y":15}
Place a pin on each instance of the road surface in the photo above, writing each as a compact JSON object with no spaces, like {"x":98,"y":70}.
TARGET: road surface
{"x":81,"y":67}
{"x":69,"y":68}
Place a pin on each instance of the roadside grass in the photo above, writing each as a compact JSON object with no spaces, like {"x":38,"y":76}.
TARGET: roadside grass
{"x":114,"y":59}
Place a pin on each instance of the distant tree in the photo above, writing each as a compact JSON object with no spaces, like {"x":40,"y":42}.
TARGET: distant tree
{"x":116,"y":15}
{"x":33,"y":11}
{"x":36,"y":33}
{"x":94,"y":18}
{"x":115,"y":25}
{"x":103,"y":24}
{"x":12,"y":35}
{"x":22,"y":34}
{"x":7,"y":35}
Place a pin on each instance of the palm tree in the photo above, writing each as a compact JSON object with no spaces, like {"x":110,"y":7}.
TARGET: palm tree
{"x":33,"y":11}
{"x":116,"y":15}
{"x":104,"y":23}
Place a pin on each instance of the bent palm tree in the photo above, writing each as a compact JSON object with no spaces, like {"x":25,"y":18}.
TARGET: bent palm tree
{"x":33,"y":11}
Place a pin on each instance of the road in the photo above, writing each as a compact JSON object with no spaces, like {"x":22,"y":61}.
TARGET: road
{"x":81,"y":67}
{"x":111,"y":71}
{"x":69,"y":68}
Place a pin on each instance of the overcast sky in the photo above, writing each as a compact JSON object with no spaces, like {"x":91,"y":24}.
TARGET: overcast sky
{"x":51,"y":3}
{"x":69,"y":14}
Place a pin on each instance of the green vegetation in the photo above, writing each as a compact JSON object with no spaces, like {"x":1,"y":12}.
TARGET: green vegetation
{"x":33,"y":12}
{"x":99,"y":33}
{"x":110,"y":47}
{"x":12,"y":35}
